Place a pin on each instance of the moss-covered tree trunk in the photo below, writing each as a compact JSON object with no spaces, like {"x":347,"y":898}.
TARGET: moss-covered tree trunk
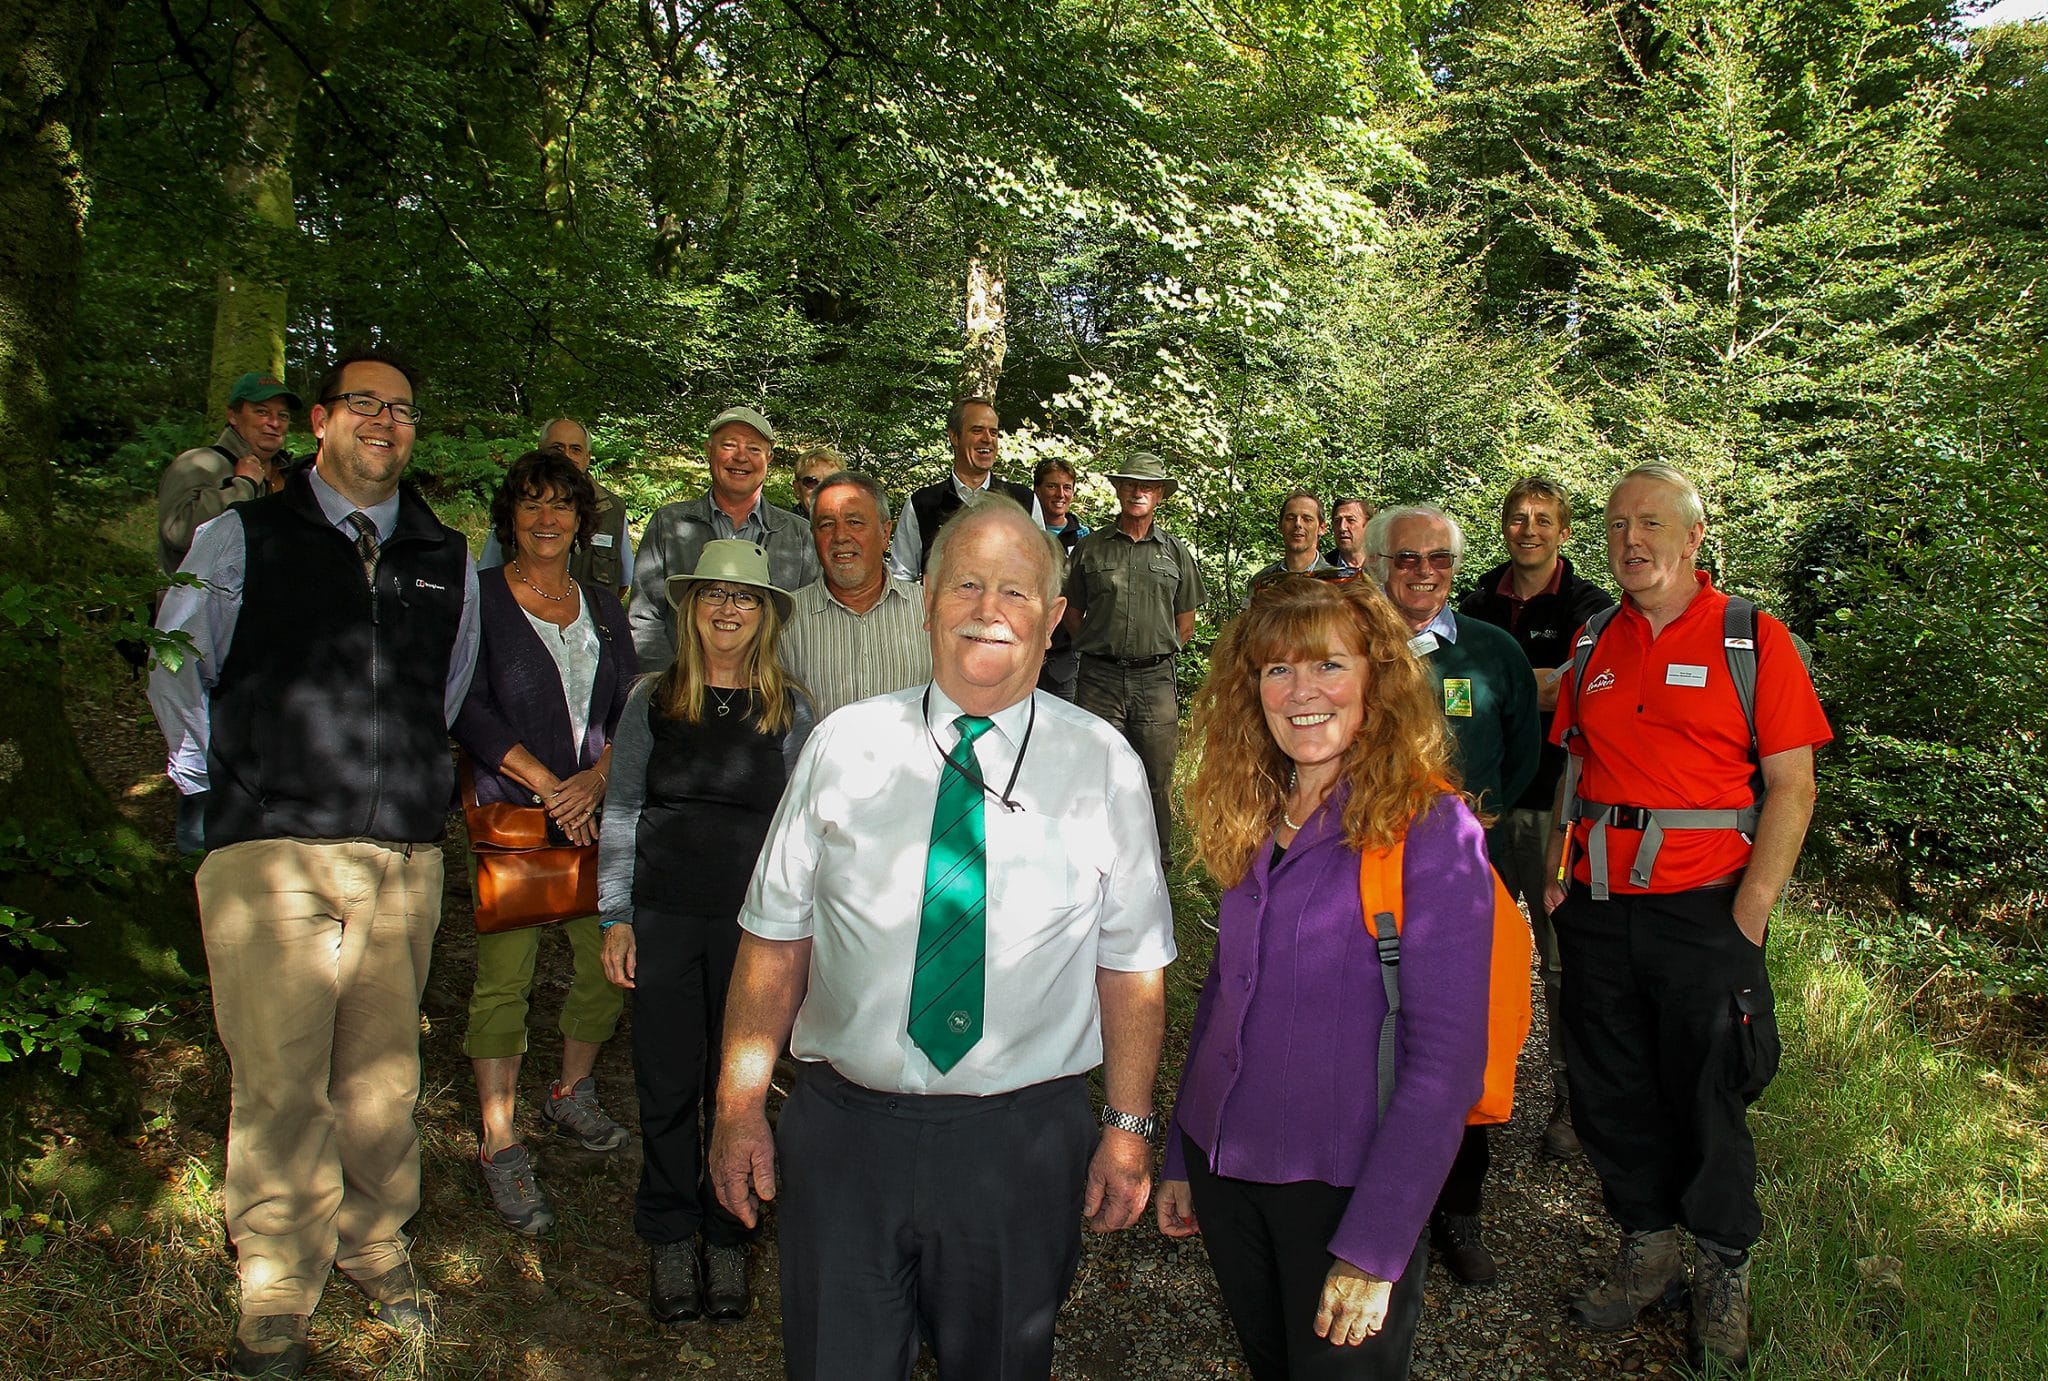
{"x":254,"y":280}
{"x":54,"y":61}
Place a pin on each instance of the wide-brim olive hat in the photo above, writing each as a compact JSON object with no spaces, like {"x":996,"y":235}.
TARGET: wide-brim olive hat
{"x":1145,"y":468}
{"x":731,"y":561}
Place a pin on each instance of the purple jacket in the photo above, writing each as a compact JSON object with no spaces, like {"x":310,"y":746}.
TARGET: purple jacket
{"x":1281,"y":1080}
{"x":516,"y":695}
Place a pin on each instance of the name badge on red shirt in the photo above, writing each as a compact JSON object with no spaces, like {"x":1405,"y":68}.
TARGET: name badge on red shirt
{"x":1683,"y":674}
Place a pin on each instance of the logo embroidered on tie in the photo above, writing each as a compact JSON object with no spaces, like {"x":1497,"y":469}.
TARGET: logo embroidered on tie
{"x":959,"y":1022}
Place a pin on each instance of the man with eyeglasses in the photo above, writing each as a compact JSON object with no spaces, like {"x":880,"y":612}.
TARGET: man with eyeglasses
{"x":738,"y":446}
{"x":607,"y":559}
{"x":1489,"y":703}
{"x":975,"y":433}
{"x":333,"y":638}
{"x":1539,"y":600}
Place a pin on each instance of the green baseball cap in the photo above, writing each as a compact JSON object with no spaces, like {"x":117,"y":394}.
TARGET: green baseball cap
{"x":256,"y":387}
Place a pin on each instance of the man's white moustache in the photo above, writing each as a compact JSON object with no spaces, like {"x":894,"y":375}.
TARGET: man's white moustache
{"x":992,"y":632}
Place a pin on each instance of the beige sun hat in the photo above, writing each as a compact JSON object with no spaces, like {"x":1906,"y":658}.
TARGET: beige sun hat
{"x":1146,"y":468}
{"x":731,"y":561}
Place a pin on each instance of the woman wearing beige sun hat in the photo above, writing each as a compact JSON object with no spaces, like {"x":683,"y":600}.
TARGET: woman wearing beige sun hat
{"x":702,"y":754}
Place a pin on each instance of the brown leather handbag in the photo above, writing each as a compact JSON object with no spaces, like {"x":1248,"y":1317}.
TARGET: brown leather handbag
{"x":523,"y":878}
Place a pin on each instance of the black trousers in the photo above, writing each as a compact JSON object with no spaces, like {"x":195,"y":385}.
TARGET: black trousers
{"x":684,"y":965}
{"x":1462,"y":1191}
{"x":1671,"y":1034}
{"x":953,"y":1219}
{"x":1269,"y":1245}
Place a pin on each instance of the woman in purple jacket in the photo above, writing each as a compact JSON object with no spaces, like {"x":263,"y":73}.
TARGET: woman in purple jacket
{"x":552,"y":672}
{"x":1320,"y":738}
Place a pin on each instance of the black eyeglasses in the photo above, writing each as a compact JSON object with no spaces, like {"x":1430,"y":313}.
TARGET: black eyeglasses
{"x":369,"y":405}
{"x":1438,"y":560}
{"x":714,"y":595}
{"x":809,"y":481}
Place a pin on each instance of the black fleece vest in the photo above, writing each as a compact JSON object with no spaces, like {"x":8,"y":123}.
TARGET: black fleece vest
{"x":935,"y":503}
{"x":329,"y":719}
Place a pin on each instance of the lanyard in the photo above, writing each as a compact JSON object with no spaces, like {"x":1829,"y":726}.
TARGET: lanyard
{"x":973,"y":775}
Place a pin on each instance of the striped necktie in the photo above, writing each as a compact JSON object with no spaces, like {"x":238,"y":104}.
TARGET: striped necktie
{"x":947,"y":988}
{"x":366,"y":543}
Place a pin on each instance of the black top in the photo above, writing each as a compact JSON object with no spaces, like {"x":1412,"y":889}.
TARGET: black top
{"x":712,"y":788}
{"x":329,"y":717}
{"x":1543,"y":627}
{"x":937,"y":502}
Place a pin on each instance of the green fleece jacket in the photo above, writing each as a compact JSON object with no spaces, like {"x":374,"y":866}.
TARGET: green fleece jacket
{"x":1489,"y":700}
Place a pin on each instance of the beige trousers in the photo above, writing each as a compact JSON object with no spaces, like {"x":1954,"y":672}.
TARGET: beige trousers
{"x":317,"y":951}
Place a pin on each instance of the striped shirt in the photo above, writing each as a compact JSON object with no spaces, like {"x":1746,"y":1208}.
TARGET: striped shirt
{"x":842,"y":656}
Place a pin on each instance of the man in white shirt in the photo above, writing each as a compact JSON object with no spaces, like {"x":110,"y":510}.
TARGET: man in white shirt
{"x":938,"y":1148}
{"x":859,"y":631}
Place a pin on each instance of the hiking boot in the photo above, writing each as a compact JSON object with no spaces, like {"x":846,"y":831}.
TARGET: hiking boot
{"x":1560,"y":1142}
{"x":1457,"y":1238}
{"x":1649,"y":1269}
{"x":726,"y":1292}
{"x":1720,"y":1312}
{"x":675,"y":1282}
{"x":271,"y":1346}
{"x":516,"y":1192}
{"x":577,"y":1116}
{"x":398,"y":1302}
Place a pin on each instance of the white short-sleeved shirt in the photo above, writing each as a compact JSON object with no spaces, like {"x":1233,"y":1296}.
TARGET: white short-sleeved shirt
{"x":1074,"y":884}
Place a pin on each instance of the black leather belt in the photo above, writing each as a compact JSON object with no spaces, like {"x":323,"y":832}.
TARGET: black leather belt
{"x":1129,"y":663}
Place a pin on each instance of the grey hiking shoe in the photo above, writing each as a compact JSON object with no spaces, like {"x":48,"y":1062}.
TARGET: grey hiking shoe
{"x":398,"y":1302}
{"x":270,"y":1346}
{"x":516,"y":1192}
{"x":1720,"y":1312}
{"x":1560,"y":1142}
{"x":1649,"y":1269}
{"x":577,"y":1116}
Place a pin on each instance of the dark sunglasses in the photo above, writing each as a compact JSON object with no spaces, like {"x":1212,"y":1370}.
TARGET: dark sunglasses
{"x":1412,"y":560}
{"x":809,"y":481}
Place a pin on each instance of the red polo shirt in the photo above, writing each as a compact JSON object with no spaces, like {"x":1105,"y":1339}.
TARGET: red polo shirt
{"x":1663,"y":728}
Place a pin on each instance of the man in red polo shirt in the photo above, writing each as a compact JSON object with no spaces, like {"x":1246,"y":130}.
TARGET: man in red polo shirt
{"x":1669,"y":1027}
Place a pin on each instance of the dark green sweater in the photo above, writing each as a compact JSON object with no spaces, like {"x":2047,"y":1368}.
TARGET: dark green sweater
{"x":1489,"y":700}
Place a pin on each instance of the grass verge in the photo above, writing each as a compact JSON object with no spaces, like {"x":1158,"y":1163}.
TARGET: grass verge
{"x":1904,"y":1184}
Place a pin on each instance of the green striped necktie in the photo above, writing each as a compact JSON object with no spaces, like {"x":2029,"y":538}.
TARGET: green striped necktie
{"x":946,"y":990}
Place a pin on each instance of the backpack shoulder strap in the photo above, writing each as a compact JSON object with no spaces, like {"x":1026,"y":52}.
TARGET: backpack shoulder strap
{"x":1379,"y":894}
{"x":1582,"y":657}
{"x":1738,"y":639}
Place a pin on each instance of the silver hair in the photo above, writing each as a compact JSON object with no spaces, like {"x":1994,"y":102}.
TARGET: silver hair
{"x":853,"y":479}
{"x":1382,"y":523}
{"x":1690,"y":506}
{"x":554,"y":422}
{"x":1000,"y":508}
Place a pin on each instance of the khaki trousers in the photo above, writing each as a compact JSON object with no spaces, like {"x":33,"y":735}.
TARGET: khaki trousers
{"x":317,"y":951}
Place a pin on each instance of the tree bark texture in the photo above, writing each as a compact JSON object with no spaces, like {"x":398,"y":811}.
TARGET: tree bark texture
{"x":54,"y":64}
{"x":262,"y":223}
{"x":988,"y":340}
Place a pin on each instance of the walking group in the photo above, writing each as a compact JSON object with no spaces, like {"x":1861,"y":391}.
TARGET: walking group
{"x":872,"y":806}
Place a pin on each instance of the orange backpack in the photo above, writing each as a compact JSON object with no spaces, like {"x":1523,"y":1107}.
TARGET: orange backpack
{"x":1507,"y":1007}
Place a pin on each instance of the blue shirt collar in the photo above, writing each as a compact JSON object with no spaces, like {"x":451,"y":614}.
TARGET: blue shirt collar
{"x":335,"y":508}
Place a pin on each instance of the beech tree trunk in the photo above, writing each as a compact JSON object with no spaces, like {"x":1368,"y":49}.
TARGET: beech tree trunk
{"x":981,"y":364}
{"x":54,"y":64}
{"x":253,"y":283}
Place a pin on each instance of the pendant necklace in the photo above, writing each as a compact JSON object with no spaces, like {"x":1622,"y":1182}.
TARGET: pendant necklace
{"x":537,"y":589}
{"x":1293,"y":775}
{"x":725,"y":702}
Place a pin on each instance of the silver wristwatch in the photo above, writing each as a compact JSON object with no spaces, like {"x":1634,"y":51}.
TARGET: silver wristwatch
{"x":1144,"y":1126}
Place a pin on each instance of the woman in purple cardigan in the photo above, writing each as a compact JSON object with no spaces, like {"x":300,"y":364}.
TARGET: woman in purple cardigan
{"x":552,"y":673}
{"x":1320,"y":738}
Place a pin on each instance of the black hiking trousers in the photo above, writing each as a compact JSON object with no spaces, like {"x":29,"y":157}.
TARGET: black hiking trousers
{"x":1670,"y":1034}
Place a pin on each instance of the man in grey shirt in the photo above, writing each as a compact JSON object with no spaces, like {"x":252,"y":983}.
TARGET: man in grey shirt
{"x":859,"y":631}
{"x":739,"y":445}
